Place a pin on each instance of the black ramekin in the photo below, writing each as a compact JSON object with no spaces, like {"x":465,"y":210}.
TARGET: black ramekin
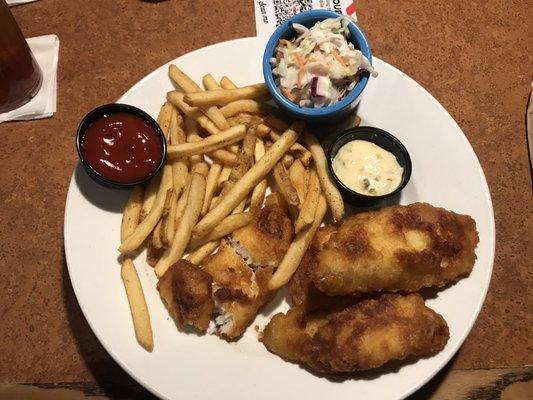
{"x":384,"y":140}
{"x":115,"y":108}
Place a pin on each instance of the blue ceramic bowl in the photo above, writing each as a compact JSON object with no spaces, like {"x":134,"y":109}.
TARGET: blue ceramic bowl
{"x":324,"y":114}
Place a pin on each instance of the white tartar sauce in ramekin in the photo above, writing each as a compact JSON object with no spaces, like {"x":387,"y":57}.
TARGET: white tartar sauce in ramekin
{"x":366,"y":168}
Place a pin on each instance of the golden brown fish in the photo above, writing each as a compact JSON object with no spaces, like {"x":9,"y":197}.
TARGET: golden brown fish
{"x":266,"y":239}
{"x":239,"y":292}
{"x":242,"y":267}
{"x":302,"y":290}
{"x":399,"y":248}
{"x":363,"y":336}
{"x":186,"y":291}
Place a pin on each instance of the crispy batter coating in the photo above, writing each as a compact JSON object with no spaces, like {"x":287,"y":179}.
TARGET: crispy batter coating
{"x":186,"y":290}
{"x":239,"y":292}
{"x":266,"y":239}
{"x":302,"y":290}
{"x":397,"y":248}
{"x":363,"y":336}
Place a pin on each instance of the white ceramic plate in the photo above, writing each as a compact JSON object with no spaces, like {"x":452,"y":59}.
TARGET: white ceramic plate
{"x":446,"y":173}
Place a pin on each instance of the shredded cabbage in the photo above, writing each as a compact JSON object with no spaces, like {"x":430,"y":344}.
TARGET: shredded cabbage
{"x":319,"y":66}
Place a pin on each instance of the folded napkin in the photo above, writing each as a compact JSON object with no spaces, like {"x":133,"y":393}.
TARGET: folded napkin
{"x":43,"y":105}
{"x":16,"y":2}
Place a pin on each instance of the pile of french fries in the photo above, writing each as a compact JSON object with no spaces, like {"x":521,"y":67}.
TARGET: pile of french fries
{"x":225,"y":144}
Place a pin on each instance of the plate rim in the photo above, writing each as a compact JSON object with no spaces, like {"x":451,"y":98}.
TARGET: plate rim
{"x":491,"y":233}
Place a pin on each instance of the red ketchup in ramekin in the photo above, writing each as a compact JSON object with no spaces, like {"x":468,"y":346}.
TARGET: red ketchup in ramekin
{"x":121,"y":148}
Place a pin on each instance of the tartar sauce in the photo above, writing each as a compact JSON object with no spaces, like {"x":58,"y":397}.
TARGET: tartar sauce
{"x":367,"y":168}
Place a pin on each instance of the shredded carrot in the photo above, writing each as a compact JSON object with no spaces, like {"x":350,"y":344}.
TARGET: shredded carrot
{"x":288,"y":94}
{"x":336,"y":54}
{"x":301,"y":74}
{"x":299,"y":59}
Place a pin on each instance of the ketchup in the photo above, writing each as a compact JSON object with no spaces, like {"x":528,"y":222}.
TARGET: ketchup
{"x":122,"y":148}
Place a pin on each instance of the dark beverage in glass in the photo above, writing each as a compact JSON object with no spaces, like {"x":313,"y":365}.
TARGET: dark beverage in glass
{"x":20,"y":75}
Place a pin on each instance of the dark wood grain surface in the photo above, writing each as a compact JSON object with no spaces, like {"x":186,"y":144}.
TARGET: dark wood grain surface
{"x":475,"y":57}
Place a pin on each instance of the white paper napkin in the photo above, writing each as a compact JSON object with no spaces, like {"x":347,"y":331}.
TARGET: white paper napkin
{"x":43,"y":105}
{"x":16,"y":2}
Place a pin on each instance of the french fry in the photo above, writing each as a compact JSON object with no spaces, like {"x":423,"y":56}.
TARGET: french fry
{"x":195,"y":113}
{"x":287,"y":160}
{"x":211,"y":183}
{"x":288,"y":191}
{"x":262,"y":130}
{"x":137,"y":302}
{"x":182,"y":79}
{"x":224,"y":96}
{"x":156,"y":235}
{"x":213,"y":202}
{"x":201,"y":168}
{"x":241,"y":106}
{"x":246,"y":184}
{"x":179,"y":167}
{"x":223,"y":156}
{"x":182,"y":201}
{"x":243,"y":163}
{"x":142,"y":231}
{"x":169,"y":219}
{"x":240,"y":207}
{"x":226,"y":83}
{"x":189,"y":86}
{"x":246,"y":156}
{"x":152,"y":254}
{"x":192,"y":135}
{"x":150,"y":194}
{"x":229,"y":136}
{"x":224,"y":176}
{"x":163,"y":119}
{"x":330,"y":190}
{"x":275,"y":122}
{"x":297,"y":249}
{"x":210,"y":83}
{"x":183,"y":233}
{"x":258,"y":194}
{"x":132,"y":212}
{"x":197,"y":256}
{"x":228,"y":225}
{"x":251,"y":121}
{"x":309,"y":206}
{"x":305,"y":155}
{"x":299,"y":178}
{"x":176,"y":133}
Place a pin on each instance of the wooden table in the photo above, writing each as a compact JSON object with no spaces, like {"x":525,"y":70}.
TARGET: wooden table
{"x":475,"y":57}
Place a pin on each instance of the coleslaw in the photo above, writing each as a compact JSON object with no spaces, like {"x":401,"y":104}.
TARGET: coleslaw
{"x":319,"y":66}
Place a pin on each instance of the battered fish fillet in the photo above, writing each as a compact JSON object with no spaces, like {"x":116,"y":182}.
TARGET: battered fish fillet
{"x":399,"y":248}
{"x":186,"y":291}
{"x":239,"y":292}
{"x":302,"y":290}
{"x":363,"y":336}
{"x":266,"y":239}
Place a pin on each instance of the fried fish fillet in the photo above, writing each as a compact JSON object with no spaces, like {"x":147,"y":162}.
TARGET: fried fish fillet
{"x":363,"y":336}
{"x":266,"y":239}
{"x":302,"y":290}
{"x":238,"y":291}
{"x":399,"y":248}
{"x":186,"y":291}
